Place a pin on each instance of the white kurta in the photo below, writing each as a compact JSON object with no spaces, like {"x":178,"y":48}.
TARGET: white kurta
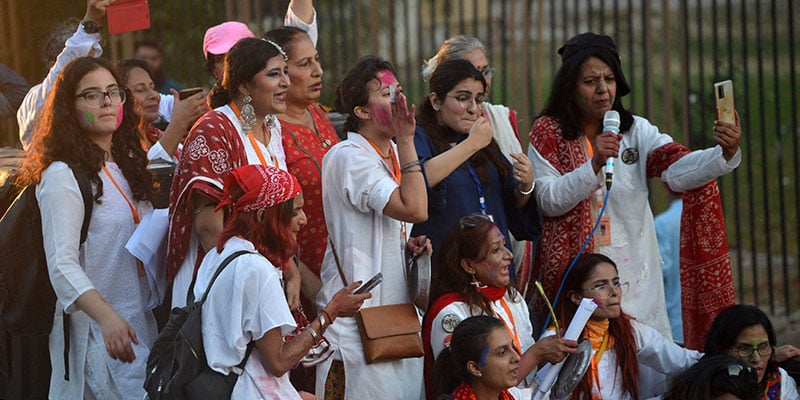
{"x":274,"y":156}
{"x":104,"y":264}
{"x":518,"y":322}
{"x":788,"y":386}
{"x":356,"y":186}
{"x":653,"y":351}
{"x":245,"y":302}
{"x":634,"y":247}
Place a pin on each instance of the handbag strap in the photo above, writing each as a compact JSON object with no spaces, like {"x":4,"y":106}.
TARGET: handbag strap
{"x":336,"y":258}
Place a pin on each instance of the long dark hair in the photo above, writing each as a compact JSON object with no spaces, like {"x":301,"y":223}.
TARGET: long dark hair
{"x":467,"y":344}
{"x":562,"y":101}
{"x":242,"y":62}
{"x":619,"y":328}
{"x":714,"y":376}
{"x":446,"y":76}
{"x":285,"y":36}
{"x":353,"y":90}
{"x":729,"y":324}
{"x":467,"y":241}
{"x":58,"y":136}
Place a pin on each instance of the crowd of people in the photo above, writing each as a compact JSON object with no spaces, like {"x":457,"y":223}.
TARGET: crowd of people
{"x":259,"y":170}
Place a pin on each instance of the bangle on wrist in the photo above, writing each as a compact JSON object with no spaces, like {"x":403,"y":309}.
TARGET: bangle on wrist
{"x":322,"y":321}
{"x":328,"y":316}
{"x":313,"y":333}
{"x":529,"y":191}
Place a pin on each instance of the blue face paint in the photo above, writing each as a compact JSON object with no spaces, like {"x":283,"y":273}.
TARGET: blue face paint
{"x":482,"y":362}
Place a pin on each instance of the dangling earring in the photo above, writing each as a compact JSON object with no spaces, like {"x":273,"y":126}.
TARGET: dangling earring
{"x":248,"y":117}
{"x":475,"y":282}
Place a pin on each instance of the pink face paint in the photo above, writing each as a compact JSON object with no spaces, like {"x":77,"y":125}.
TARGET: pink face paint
{"x":380,"y":112}
{"x":387,"y":78}
{"x":120,"y":114}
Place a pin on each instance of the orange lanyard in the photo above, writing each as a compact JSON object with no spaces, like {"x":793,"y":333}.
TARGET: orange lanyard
{"x":134,"y":211}
{"x":253,"y":141}
{"x":595,"y":362}
{"x":396,"y":174}
{"x":589,"y":147}
{"x":514,"y":335}
{"x":260,"y":155}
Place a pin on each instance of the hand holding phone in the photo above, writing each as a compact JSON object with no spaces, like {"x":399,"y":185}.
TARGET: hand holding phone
{"x":370,"y":284}
{"x":185,"y":93}
{"x":723,"y":92}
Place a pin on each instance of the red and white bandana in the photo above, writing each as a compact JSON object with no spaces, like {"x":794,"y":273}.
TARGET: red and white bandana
{"x":264,"y":186}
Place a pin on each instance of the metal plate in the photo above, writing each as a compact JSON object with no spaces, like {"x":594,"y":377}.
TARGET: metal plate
{"x":419,"y":280}
{"x":574,"y":369}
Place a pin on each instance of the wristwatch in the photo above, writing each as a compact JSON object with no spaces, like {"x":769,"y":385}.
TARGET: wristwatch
{"x":90,"y":26}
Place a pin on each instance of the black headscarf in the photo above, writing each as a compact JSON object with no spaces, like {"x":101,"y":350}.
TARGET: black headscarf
{"x":580,"y":47}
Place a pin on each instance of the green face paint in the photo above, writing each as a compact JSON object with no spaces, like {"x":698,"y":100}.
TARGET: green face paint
{"x":86,"y":118}
{"x":582,"y":100}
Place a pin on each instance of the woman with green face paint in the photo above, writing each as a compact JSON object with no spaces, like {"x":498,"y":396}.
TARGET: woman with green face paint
{"x":88,"y":124}
{"x":569,"y":145}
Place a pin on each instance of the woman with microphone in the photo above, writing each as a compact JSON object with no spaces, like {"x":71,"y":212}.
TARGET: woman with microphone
{"x":569,"y":146}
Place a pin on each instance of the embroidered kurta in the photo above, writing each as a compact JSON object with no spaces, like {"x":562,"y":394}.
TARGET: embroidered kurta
{"x":356,"y":186}
{"x":566,"y":183}
{"x":245,"y":302}
{"x":103,"y":264}
{"x":216,"y":145}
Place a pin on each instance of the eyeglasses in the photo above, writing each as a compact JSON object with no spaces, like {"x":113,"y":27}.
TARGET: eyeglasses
{"x":96,"y":98}
{"x":764,"y":349}
{"x":474,"y":220}
{"x":487,"y":72}
{"x":606,"y":289}
{"x":467,"y":102}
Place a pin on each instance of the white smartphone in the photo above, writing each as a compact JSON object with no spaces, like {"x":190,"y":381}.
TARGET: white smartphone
{"x":370,"y":284}
{"x":723,"y":92}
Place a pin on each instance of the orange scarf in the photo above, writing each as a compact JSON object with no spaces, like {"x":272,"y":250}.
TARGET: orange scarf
{"x":464,"y":392}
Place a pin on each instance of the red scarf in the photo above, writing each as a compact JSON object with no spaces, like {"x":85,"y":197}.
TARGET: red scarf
{"x":212,"y":149}
{"x":706,"y":281}
{"x":491,"y":292}
{"x":464,"y":392}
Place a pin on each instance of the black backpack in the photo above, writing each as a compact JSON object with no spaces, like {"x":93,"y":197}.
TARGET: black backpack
{"x":177,"y":367}
{"x":27,"y":299}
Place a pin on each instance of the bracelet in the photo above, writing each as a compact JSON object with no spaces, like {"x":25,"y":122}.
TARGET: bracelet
{"x":408,"y":171}
{"x":410,"y":164}
{"x":527,"y":192}
{"x":322,"y":321}
{"x":313,"y":333}
{"x":328,"y":315}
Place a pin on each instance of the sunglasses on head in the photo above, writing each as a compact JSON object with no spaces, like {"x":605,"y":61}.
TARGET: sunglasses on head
{"x":474,"y":220}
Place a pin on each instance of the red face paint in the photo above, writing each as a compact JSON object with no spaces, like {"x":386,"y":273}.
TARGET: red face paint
{"x":380,"y":112}
{"x":387,"y":78}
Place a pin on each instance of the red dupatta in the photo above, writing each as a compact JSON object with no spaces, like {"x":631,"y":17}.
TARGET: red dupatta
{"x":212,"y":149}
{"x":705,"y":265}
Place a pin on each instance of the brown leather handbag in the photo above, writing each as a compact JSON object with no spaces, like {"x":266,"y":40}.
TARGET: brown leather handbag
{"x":389,"y":332}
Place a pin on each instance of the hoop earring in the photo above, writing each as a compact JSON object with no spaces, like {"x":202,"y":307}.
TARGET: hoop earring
{"x":248,"y":117}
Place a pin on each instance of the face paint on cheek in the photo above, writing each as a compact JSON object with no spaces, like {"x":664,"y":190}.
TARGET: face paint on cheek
{"x":120,"y":114}
{"x":381,"y":114}
{"x":85,"y":118}
{"x":583,"y":100}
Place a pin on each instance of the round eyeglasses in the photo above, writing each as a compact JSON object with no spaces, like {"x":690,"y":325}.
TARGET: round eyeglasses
{"x":606,"y":289}
{"x":96,"y":98}
{"x":746,"y":351}
{"x":467,"y":102}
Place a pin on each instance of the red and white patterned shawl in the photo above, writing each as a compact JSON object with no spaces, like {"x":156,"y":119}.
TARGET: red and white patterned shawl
{"x":212,"y":149}
{"x":706,"y":281}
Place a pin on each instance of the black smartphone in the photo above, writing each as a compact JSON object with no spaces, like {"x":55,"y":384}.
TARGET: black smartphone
{"x":183,"y":94}
{"x":370,"y":284}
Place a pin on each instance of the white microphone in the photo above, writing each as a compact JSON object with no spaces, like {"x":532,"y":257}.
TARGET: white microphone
{"x":610,"y":124}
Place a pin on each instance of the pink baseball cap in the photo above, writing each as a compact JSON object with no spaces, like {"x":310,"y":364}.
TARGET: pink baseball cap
{"x":220,"y":38}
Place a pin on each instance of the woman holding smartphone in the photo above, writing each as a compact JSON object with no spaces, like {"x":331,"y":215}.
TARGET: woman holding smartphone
{"x":568,"y":148}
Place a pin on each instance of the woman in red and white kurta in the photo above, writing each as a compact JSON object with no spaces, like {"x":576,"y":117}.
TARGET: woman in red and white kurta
{"x":255,"y":79}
